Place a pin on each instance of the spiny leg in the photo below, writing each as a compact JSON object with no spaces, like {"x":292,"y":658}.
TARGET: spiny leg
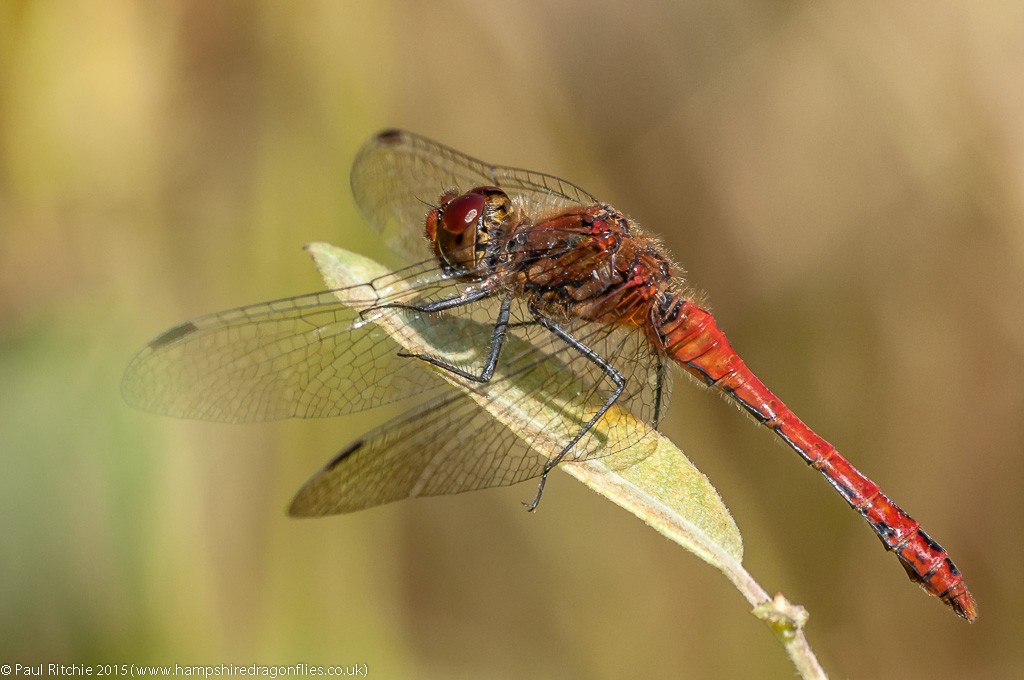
{"x":659,"y":390}
{"x":437,"y":305}
{"x":604,"y":365}
{"x":501,"y":325}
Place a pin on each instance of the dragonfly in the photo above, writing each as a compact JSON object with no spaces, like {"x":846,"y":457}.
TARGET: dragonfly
{"x":520,"y":278}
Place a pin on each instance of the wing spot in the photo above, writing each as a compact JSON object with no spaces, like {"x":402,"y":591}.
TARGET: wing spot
{"x":336,"y":461}
{"x":392,"y":136}
{"x":173,"y":335}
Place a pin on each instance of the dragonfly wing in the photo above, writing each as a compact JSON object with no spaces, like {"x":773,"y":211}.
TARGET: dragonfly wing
{"x":398,"y":176}
{"x":309,"y":356}
{"x":445,"y":446}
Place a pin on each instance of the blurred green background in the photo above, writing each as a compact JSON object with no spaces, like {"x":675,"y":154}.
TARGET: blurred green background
{"x":845,"y":179}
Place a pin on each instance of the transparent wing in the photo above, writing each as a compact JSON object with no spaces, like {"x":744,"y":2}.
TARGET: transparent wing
{"x":309,"y":356}
{"x":545,"y":390}
{"x":443,"y":447}
{"x":397,"y":176}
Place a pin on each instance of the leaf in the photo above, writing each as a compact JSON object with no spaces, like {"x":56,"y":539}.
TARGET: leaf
{"x":664,"y":489}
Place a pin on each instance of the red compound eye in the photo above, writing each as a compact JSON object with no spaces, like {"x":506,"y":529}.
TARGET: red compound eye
{"x":462,"y":212}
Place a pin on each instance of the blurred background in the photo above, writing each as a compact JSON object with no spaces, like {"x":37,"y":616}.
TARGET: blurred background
{"x":844,"y":179}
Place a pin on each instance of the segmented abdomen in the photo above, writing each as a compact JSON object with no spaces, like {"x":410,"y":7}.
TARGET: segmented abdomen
{"x":691,"y":337}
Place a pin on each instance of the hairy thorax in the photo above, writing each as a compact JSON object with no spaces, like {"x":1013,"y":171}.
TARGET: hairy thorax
{"x":592,"y":264}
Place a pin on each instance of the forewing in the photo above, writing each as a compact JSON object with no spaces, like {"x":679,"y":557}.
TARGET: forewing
{"x":398,"y":176}
{"x":309,"y":356}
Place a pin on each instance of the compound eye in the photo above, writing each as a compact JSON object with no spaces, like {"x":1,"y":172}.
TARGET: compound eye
{"x":462,"y":212}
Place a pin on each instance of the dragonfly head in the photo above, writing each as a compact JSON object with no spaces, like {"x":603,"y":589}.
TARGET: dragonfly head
{"x":465,"y":230}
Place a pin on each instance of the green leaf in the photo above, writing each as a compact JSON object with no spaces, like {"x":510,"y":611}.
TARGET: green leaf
{"x":663,"y":489}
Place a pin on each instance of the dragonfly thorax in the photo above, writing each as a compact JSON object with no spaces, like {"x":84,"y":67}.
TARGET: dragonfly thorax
{"x":591,"y":263}
{"x":466,"y":230}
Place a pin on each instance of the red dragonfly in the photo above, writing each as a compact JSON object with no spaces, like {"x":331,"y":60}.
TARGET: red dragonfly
{"x":520,"y":275}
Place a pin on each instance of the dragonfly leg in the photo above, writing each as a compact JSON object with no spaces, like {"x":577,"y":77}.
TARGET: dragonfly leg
{"x":659,"y":390}
{"x":602,"y":363}
{"x":497,"y":341}
{"x":437,"y":305}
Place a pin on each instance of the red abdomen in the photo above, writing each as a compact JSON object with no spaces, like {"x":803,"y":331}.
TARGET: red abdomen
{"x":690,"y":336}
